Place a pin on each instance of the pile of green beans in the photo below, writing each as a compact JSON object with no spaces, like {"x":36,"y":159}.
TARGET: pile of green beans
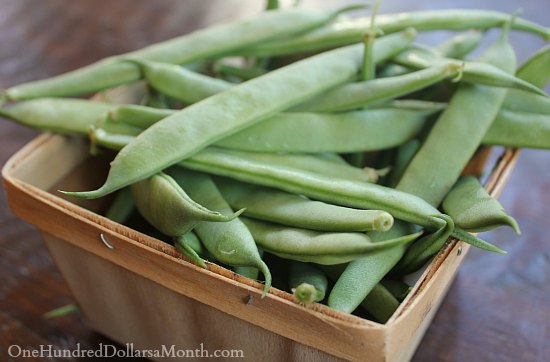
{"x":312,"y":152}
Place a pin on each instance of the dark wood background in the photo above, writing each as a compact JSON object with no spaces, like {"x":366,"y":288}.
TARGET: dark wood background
{"x":497,"y":309}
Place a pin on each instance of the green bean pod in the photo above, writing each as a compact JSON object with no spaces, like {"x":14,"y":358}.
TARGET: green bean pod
{"x":422,"y":250}
{"x":473,"y":209}
{"x":355,"y":95}
{"x":276,"y":206}
{"x":347,"y":293}
{"x":367,"y":130}
{"x":247,"y":271}
{"x":179,"y":83}
{"x":248,"y":167}
{"x":518,"y":101}
{"x":348,"y":31}
{"x":473,"y":72}
{"x":536,"y":70}
{"x":403,"y":157}
{"x":138,"y":116}
{"x":307,"y":282}
{"x":243,"y":73}
{"x":519,"y":129}
{"x":205,"y":43}
{"x":188,"y":244}
{"x":67,"y":116}
{"x":458,"y":132}
{"x":317,"y":247}
{"x":397,"y":288}
{"x":380,"y":303}
{"x":229,"y":242}
{"x":122,"y":206}
{"x":163,"y":203}
{"x":460,"y":45}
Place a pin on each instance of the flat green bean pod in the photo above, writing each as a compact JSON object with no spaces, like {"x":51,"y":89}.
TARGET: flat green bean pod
{"x":184,"y":244}
{"x":473,"y":72}
{"x":205,"y":43}
{"x":355,"y":95}
{"x":163,"y":203}
{"x":293,"y":210}
{"x":179,"y":83}
{"x":307,"y":282}
{"x":473,"y":209}
{"x":347,"y":293}
{"x":519,"y":101}
{"x":138,"y":116}
{"x":349,"y":31}
{"x":422,"y":250}
{"x":460,"y":45}
{"x":230,"y":242}
{"x":67,"y":116}
{"x":380,"y":303}
{"x":247,"y":167}
{"x":536,"y":70}
{"x":317,"y":247}
{"x":519,"y":129}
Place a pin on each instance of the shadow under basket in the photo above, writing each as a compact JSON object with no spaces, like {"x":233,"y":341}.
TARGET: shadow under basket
{"x":136,"y":289}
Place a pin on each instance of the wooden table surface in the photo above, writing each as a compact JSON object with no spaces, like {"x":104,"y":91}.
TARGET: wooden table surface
{"x":497,"y":309}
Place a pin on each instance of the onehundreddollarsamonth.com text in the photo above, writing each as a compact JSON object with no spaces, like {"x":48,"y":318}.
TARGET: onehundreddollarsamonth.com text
{"x":127,"y":350}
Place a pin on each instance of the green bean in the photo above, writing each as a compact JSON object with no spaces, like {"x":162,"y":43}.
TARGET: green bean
{"x":459,"y":46}
{"x":155,"y":99}
{"x":473,"y":72}
{"x":317,"y":247}
{"x":536,"y":70}
{"x":230,"y":243}
{"x":307,"y":282}
{"x":368,"y":67}
{"x":380,"y":303}
{"x":293,"y":210}
{"x":67,"y":116}
{"x":518,"y":129}
{"x":168,"y":208}
{"x":458,"y":132}
{"x":422,"y":250}
{"x":243,"y":73}
{"x":192,"y":129}
{"x":138,"y":116}
{"x":349,"y":31}
{"x":519,"y":101}
{"x":211,"y":42}
{"x":248,"y":167}
{"x":473,"y":209}
{"x":348,"y":293}
{"x":312,"y":132}
{"x":122,"y":206}
{"x":355,"y":95}
{"x":397,"y":288}
{"x":247,"y":271}
{"x":179,"y":83}
{"x":183,"y":245}
{"x":403,"y":157}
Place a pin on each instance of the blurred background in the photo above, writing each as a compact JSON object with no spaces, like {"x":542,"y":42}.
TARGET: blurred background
{"x":498,"y":307}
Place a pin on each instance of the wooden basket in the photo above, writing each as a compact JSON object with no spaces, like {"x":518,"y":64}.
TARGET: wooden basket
{"x":136,"y":289}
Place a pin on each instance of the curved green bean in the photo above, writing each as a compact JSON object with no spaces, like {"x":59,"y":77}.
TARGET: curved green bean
{"x":183,"y":244}
{"x":230,"y":243}
{"x":293,"y":210}
{"x":317,"y":247}
{"x":163,"y":203}
{"x":473,"y":209}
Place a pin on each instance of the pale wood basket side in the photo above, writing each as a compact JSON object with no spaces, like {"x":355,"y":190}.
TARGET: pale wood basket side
{"x":144,"y":292}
